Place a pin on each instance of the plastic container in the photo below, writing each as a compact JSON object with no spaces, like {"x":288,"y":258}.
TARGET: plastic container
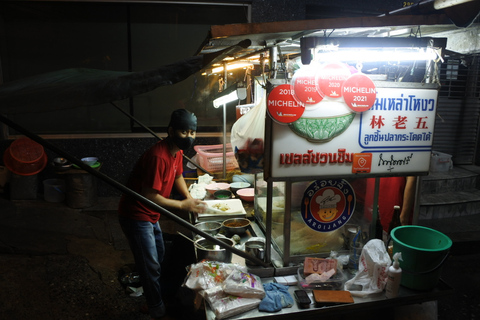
{"x":54,"y":190}
{"x":25,"y":157}
{"x":423,"y":252}
{"x":210,"y":157}
{"x":336,"y":282}
{"x":440,"y":162}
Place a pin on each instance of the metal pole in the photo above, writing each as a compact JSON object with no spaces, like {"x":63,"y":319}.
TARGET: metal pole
{"x":225,"y":125}
{"x":224,"y":141}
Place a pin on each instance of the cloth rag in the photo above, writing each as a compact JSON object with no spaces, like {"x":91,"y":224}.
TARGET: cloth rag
{"x":276,"y":297}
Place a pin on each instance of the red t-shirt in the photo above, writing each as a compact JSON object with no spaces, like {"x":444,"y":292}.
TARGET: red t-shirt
{"x":156,"y":169}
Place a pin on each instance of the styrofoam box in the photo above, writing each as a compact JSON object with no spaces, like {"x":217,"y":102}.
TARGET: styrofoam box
{"x":440,"y":162}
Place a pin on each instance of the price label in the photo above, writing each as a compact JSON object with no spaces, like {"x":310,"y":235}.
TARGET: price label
{"x":359,"y":92}
{"x":330,"y":79}
{"x":282,"y":106}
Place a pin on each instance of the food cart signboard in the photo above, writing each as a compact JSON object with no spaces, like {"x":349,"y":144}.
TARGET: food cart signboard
{"x":391,"y":134}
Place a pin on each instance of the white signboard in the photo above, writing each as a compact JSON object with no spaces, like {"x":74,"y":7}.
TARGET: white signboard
{"x":331,"y":138}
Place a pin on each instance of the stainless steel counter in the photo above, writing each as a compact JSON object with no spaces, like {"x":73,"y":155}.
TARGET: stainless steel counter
{"x":378,"y":301}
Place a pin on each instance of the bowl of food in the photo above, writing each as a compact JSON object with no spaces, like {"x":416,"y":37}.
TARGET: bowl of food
{"x":236,"y":225}
{"x":235,"y":186}
{"x":222,"y":194}
{"x":210,"y":227}
{"x":247,"y":194}
{"x":212,"y":187}
{"x":90,"y":161}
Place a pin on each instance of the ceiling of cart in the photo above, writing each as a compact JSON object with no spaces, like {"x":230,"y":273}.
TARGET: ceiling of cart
{"x":286,"y":34}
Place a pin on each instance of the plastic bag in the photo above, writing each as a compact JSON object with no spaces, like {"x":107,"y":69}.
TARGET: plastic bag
{"x":243,"y":284}
{"x":208,"y":274}
{"x":224,"y":305}
{"x":372,"y":271}
{"x":247,"y":137}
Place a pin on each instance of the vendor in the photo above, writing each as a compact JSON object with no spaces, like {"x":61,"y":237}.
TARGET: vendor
{"x":154,"y":175}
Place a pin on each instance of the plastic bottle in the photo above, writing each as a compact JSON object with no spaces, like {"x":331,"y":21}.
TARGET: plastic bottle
{"x":394,"y":276}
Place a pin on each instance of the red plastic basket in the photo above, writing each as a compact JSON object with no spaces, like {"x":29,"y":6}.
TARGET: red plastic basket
{"x":26,"y":150}
{"x":25,"y":157}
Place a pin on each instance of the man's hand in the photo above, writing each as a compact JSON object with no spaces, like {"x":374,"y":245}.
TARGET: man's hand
{"x":193,"y":205}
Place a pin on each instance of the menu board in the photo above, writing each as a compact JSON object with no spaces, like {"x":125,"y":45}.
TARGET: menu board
{"x":356,"y":126}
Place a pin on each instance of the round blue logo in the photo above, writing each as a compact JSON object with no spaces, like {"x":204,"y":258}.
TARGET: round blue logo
{"x":328,"y":204}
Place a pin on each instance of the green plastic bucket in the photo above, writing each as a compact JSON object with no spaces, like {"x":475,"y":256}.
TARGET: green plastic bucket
{"x":423,"y":252}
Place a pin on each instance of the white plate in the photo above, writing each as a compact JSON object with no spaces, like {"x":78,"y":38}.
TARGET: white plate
{"x":236,"y":209}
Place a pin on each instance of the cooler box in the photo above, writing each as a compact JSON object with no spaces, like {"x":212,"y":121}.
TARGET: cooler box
{"x":440,"y":162}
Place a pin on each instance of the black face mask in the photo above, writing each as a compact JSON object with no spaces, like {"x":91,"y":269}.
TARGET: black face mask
{"x":183,"y":143}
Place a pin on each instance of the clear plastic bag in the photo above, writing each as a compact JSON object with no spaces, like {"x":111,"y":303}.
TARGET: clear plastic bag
{"x":224,"y":305}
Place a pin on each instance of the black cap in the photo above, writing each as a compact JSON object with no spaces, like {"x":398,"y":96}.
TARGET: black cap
{"x":183,"y":119}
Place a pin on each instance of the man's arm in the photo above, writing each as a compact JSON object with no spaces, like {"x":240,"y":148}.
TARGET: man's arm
{"x":188,"y":204}
{"x":408,"y":200}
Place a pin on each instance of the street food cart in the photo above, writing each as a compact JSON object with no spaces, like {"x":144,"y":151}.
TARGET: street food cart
{"x":347,"y":110}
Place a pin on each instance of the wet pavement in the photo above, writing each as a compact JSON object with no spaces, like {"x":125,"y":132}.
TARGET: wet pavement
{"x":63,"y":263}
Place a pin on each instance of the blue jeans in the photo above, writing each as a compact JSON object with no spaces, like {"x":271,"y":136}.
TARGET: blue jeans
{"x":146,"y":242}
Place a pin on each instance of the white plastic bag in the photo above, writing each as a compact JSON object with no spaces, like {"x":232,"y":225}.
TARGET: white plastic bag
{"x":244,"y":284}
{"x":372,"y":270}
{"x":247,"y":137}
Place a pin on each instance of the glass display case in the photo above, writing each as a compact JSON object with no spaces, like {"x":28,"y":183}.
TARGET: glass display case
{"x":290,"y":219}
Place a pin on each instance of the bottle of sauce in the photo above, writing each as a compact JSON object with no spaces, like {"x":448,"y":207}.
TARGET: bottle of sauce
{"x":378,"y":227}
{"x":395,"y":222}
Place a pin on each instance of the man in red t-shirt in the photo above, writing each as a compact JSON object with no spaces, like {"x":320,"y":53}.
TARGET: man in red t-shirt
{"x":157,"y":171}
{"x":393,"y":191}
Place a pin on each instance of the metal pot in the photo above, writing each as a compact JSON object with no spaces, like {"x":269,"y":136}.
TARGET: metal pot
{"x":210,"y":227}
{"x":207,"y":250}
{"x":255,"y":246}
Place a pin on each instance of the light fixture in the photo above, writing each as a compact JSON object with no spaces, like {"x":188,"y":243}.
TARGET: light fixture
{"x":442,"y":4}
{"x":376,"y":54}
{"x":236,"y":91}
{"x":230,"y":66}
{"x":230,"y":94}
{"x":367,"y":49}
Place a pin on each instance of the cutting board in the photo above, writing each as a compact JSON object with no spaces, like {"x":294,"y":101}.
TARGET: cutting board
{"x":235,"y":210}
{"x":331,"y":297}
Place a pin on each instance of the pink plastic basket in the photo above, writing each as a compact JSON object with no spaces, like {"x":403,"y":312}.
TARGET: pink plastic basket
{"x":210,"y":157}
